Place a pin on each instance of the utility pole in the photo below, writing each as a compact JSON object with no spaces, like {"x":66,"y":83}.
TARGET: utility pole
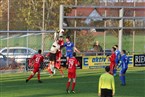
{"x":75,"y":32}
{"x":8,"y":27}
{"x":43,"y":27}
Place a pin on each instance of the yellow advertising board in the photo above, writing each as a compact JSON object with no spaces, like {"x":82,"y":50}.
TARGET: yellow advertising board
{"x":94,"y":62}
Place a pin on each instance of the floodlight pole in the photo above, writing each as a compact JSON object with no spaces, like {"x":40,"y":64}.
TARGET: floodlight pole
{"x":75,"y":32}
{"x":133,"y":41}
{"x":43,"y":27}
{"x":120,"y":30}
{"x":61,"y":14}
{"x":8,"y":26}
{"x":105,"y":25}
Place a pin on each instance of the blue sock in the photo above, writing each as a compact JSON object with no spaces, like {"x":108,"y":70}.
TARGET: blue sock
{"x":123,"y":78}
{"x":114,"y":71}
{"x":120,"y":78}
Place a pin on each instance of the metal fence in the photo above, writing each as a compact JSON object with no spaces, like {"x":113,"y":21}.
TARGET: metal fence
{"x":19,"y":44}
{"x":133,"y":41}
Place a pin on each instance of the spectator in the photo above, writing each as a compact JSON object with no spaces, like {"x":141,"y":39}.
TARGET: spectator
{"x":98,"y":48}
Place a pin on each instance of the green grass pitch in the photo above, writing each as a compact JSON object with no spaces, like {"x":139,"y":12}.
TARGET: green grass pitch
{"x":13,"y":85}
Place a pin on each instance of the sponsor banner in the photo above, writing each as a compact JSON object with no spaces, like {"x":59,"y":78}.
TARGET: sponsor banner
{"x":139,"y":60}
{"x":94,"y":62}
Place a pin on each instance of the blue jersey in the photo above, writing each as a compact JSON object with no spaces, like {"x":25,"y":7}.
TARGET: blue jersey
{"x":69,"y":46}
{"x":124,"y":62}
{"x":118,"y":56}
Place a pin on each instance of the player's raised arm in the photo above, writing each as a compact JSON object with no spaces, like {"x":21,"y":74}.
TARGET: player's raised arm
{"x":76,"y":50}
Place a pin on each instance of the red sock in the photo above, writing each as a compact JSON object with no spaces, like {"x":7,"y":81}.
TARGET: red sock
{"x":49,"y":70}
{"x":30,"y":77}
{"x":73,"y":86}
{"x":38,"y":76}
{"x":61,"y":72}
{"x":68,"y":84}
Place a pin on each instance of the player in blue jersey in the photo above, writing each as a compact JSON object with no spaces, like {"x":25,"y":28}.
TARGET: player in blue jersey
{"x":124,"y":67}
{"x":70,"y":48}
{"x":117,"y":60}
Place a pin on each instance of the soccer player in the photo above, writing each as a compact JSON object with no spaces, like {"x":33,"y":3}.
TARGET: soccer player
{"x":38,"y":60}
{"x":72,"y":64}
{"x":124,"y":67}
{"x":59,"y":52}
{"x":70,"y":48}
{"x":112,"y":60}
{"x":52,"y":57}
{"x":59,"y":55}
{"x":118,"y":57}
{"x":55,"y":53}
{"x":106,"y":84}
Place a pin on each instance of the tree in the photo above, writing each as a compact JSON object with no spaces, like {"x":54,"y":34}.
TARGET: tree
{"x":84,"y":40}
{"x":30,"y":13}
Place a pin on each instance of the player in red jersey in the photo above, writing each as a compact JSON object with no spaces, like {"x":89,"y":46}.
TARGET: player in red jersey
{"x":59,"y":52}
{"x":72,"y":64}
{"x":57,"y":62}
{"x":59,"y":55}
{"x":112,"y":60}
{"x":38,"y":60}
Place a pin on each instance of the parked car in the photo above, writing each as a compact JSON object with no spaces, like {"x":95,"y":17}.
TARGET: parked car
{"x":6,"y":62}
{"x":18,"y":53}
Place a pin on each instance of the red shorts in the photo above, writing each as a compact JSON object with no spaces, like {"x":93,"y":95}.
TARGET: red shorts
{"x":36,"y":69}
{"x":71,"y":74}
{"x":58,"y":55}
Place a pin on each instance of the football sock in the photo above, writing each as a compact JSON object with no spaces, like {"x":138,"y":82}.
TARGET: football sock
{"x":120,"y":78}
{"x":73,"y":86}
{"x":38,"y":76}
{"x":30,"y":77}
{"x":54,"y":71}
{"x":52,"y":67}
{"x":123,"y":78}
{"x":67,"y":86}
{"x":61,"y":72}
{"x":49,"y":70}
{"x":115,"y":71}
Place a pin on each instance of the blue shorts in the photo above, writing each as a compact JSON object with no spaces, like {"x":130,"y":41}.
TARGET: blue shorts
{"x":123,"y":71}
{"x":117,"y":62}
{"x":69,"y":54}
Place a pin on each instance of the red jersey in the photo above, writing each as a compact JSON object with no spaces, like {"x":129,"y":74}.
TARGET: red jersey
{"x":61,"y":43}
{"x":38,"y":59}
{"x":112,"y":58}
{"x":72,"y":64}
{"x":59,"y":53}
